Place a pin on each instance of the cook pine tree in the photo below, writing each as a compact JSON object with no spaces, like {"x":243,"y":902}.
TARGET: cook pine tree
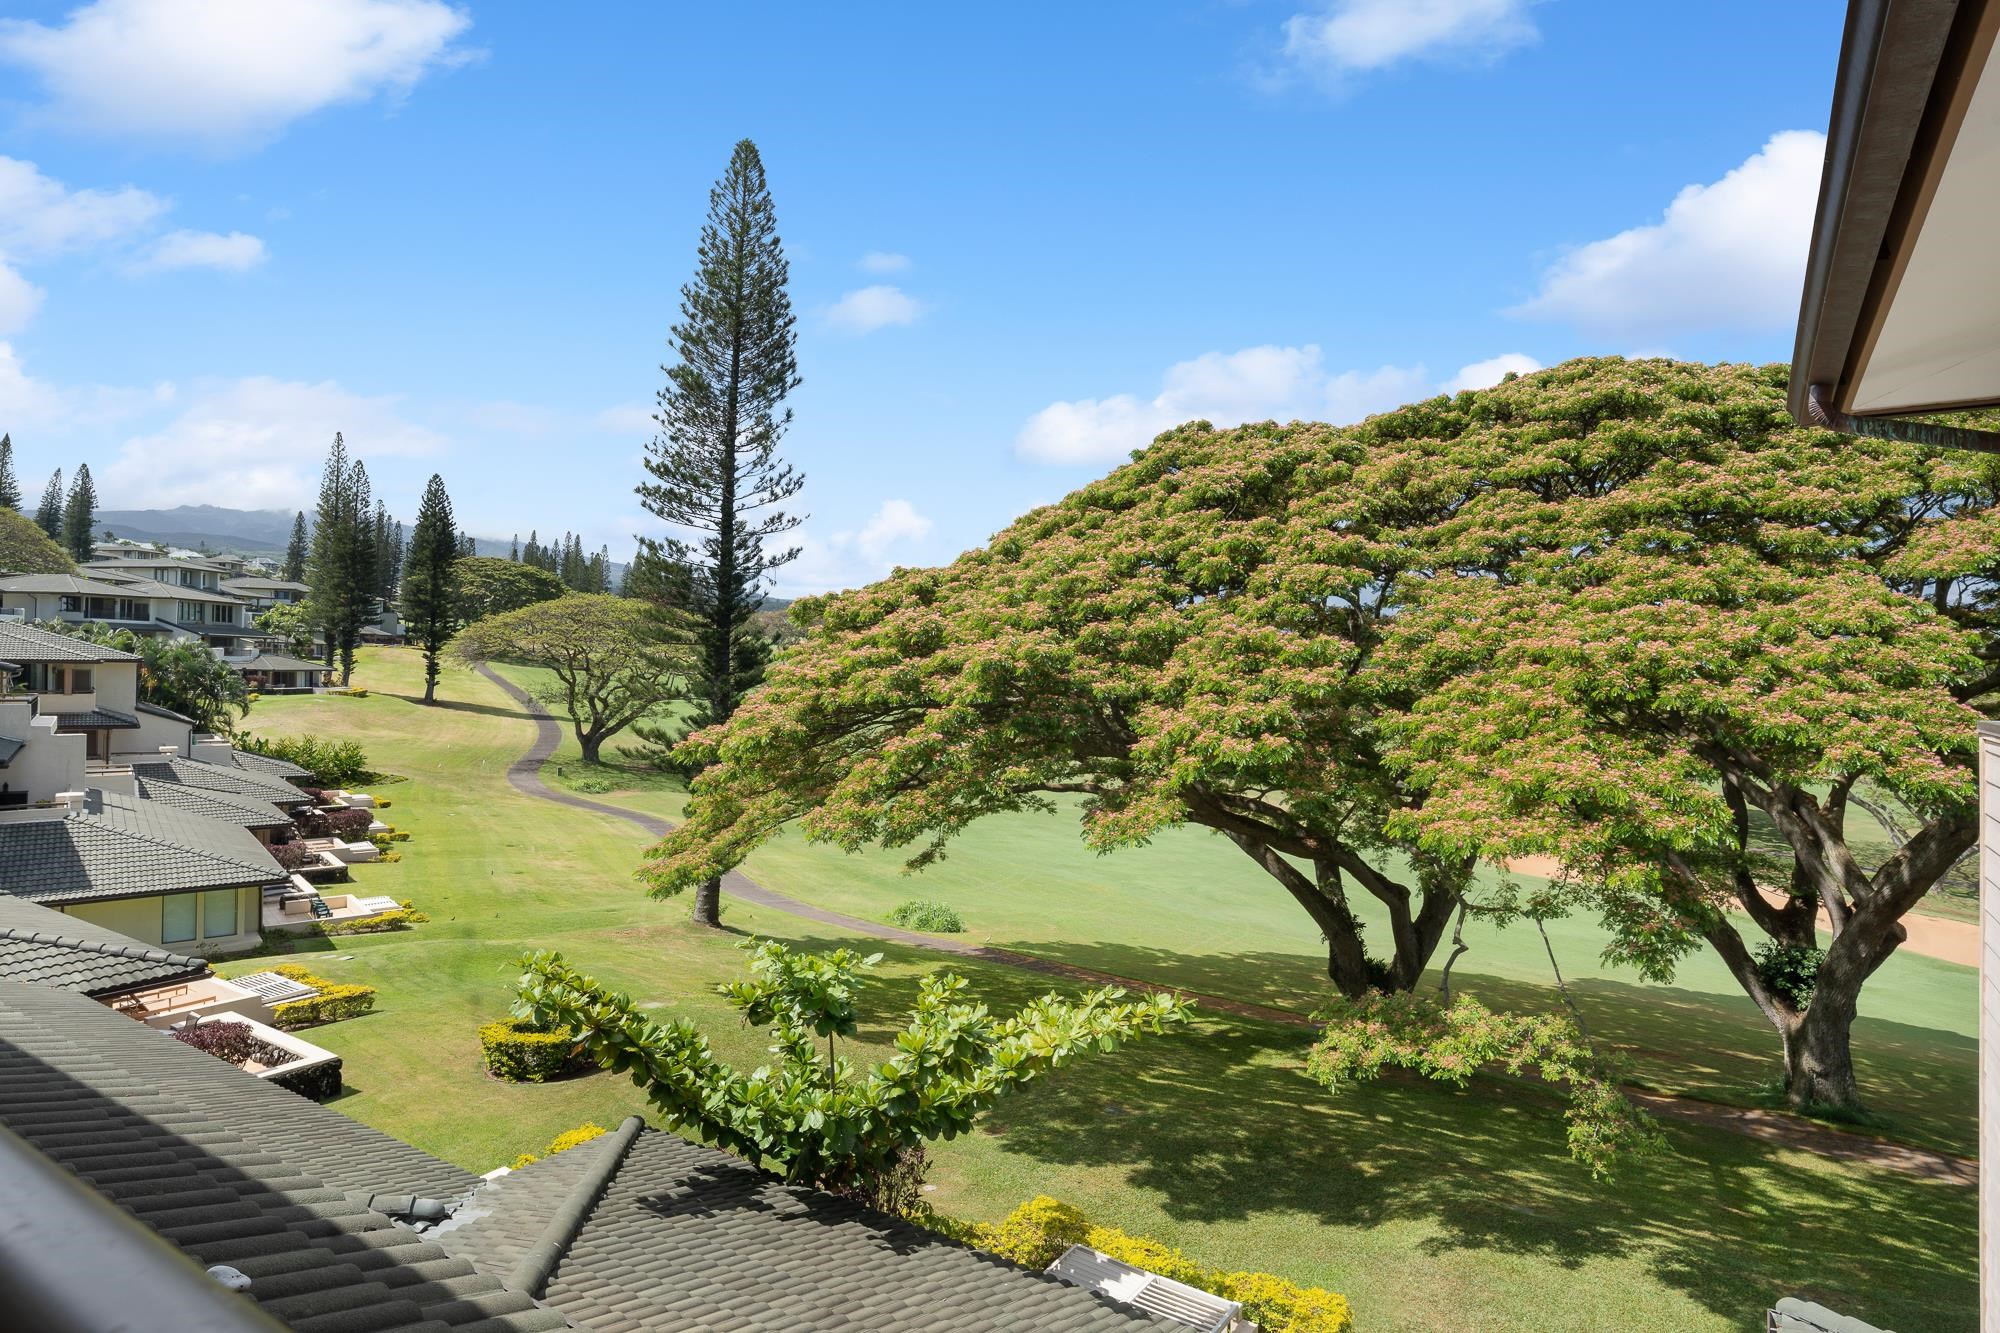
{"x":295,"y":551}
{"x":430,"y":580}
{"x":713,"y":469}
{"x":79,"y":516}
{"x":10,"y":489}
{"x":49,"y":514}
{"x":341,"y":568}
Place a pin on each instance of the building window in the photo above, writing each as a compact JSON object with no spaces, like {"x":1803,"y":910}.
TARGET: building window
{"x":98,"y":746}
{"x":72,"y":603}
{"x":79,"y":680}
{"x":218,"y":913}
{"x":177,"y":918}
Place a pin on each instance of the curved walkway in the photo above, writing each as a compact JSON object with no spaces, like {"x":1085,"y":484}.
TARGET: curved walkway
{"x":1771,"y":1127}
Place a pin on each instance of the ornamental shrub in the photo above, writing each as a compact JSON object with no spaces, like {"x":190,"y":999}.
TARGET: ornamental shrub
{"x":331,"y":763}
{"x":335,"y":1001}
{"x":517,"y":1051}
{"x":569,"y":1138}
{"x":235,"y":1042}
{"x":348,"y":825}
{"x":1035,"y":1234}
{"x":1038,"y":1231}
{"x":393,"y":919}
{"x":293,"y":855}
{"x":927,"y":914}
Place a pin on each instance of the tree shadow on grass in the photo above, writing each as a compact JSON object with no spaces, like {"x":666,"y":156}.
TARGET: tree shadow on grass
{"x":460,"y":706}
{"x":1920,"y":1080}
{"x":1219,"y":1123}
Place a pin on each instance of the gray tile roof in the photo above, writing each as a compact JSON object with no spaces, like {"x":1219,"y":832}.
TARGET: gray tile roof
{"x":210,"y":803}
{"x":91,"y":719}
{"x":9,"y":747}
{"x":684,"y":1237}
{"x":258,"y":583}
{"x":232,"y":1170}
{"x":63,"y":583}
{"x":269,"y":763}
{"x":278,"y":662}
{"x":41,"y":945}
{"x":154,"y":710}
{"x":122,"y":847}
{"x":25,"y":643}
{"x":220,"y":777}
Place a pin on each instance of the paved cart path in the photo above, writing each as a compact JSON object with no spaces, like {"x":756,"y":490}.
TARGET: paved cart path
{"x":1771,"y":1127}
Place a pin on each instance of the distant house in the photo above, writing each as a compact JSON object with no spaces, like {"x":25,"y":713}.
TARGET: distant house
{"x":278,"y":673}
{"x":264,"y":593}
{"x":142,"y":868}
{"x":86,"y":689}
{"x":186,"y":596}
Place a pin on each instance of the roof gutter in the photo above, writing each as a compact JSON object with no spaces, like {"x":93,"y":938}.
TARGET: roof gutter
{"x":1821,"y":411}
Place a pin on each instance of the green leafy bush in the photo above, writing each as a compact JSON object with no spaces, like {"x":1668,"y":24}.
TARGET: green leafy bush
{"x":1790,"y":970}
{"x":520,"y":1052}
{"x":331,"y":763}
{"x":928,"y":915}
{"x":814,"y":1113}
{"x":1035,"y":1234}
{"x":335,"y":1001}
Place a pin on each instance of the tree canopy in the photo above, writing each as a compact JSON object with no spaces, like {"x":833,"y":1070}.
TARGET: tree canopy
{"x":429,"y":580}
{"x":26,"y":549}
{"x":487,"y":585}
{"x":609,"y":668}
{"x":1611,"y":612}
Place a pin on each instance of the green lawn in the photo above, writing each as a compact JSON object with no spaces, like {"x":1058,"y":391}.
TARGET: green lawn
{"x":1190,"y":910}
{"x":1429,"y":1208}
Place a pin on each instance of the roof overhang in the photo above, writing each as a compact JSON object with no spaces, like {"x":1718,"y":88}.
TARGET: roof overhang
{"x":1903,"y":281}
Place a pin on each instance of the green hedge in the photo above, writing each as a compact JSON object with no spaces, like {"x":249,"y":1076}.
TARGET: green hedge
{"x":335,"y":1001}
{"x":515,"y":1051}
{"x":928,"y":915}
{"x":1038,"y":1231}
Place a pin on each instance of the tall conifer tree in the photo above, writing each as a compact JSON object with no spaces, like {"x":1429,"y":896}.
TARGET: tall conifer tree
{"x":430,"y":580}
{"x":295,"y":551}
{"x":341,"y":566}
{"x":79,"y":518}
{"x":714,"y":470}
{"x":49,"y":516}
{"x":10,"y":489}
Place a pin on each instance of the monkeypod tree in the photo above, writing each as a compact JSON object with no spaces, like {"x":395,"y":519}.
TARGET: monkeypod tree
{"x":609,"y":668}
{"x":1624,"y":614}
{"x":1660,"y":620}
{"x":1183,"y":642}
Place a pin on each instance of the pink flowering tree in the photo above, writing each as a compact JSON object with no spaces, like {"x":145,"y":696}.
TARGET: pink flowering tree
{"x":1624,"y":614}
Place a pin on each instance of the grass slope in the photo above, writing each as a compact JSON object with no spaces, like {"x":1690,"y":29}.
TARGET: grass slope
{"x":1429,"y":1208}
{"x":1190,"y":910}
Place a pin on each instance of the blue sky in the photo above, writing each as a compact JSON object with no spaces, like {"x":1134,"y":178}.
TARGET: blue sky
{"x":1023,"y":239}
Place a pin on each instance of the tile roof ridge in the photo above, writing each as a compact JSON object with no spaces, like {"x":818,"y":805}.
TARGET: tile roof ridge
{"x":532,"y":1273}
{"x":143,"y":953}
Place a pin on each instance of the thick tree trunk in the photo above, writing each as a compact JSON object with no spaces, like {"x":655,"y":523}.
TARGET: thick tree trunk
{"x":708,"y":903}
{"x":1819,"y":1063}
{"x":590,"y":743}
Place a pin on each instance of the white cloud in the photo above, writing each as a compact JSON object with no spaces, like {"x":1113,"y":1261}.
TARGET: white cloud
{"x":227,"y":71}
{"x":872,"y":308}
{"x":1727,"y":255}
{"x":848,"y":559}
{"x":19,"y":299}
{"x":64,"y":411}
{"x":896,"y":521}
{"x":885,"y":261}
{"x":234,"y":252}
{"x":627,"y":419}
{"x":1355,"y":36}
{"x":1254,"y":384}
{"x":257,"y":441}
{"x":39,"y":215}
{"x":1485,"y":374}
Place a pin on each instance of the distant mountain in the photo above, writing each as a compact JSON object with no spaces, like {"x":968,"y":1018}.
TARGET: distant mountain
{"x":244,"y":531}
